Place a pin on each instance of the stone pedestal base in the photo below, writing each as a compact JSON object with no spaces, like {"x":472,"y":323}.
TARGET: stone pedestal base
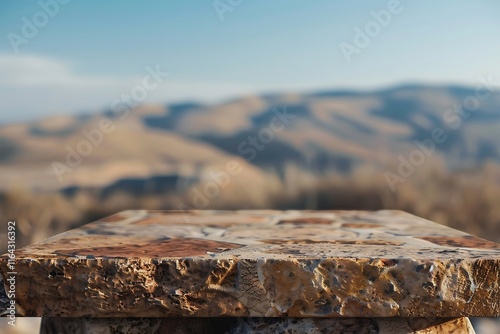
{"x":255,"y":325}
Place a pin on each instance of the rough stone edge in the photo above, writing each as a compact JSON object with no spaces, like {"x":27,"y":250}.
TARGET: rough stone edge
{"x":173,"y":312}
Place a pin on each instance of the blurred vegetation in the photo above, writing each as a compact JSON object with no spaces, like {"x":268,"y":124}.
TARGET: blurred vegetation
{"x":465,"y":199}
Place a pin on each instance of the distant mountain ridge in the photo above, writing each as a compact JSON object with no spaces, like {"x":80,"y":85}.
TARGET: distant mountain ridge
{"x":327,"y":130}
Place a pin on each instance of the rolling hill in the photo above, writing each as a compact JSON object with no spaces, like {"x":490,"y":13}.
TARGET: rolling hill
{"x":162,"y":148}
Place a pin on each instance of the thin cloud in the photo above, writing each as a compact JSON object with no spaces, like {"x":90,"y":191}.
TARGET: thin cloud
{"x":30,"y":70}
{"x":34,"y":86}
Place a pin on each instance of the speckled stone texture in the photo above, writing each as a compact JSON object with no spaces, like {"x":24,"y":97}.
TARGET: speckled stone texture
{"x":257,"y":325}
{"x":259,"y":264}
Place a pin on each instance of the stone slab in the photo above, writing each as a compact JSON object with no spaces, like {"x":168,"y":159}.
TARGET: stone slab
{"x":259,"y":264}
{"x":257,"y":325}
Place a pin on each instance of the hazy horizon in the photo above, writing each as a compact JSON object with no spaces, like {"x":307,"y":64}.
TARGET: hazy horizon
{"x":10,"y":119}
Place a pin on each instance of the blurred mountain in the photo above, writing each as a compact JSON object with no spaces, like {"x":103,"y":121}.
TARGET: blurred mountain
{"x":160,"y":148}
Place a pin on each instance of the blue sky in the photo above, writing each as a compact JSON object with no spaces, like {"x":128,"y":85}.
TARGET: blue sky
{"x":90,"y":52}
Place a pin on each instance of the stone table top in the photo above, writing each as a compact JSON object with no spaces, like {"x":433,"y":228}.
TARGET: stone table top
{"x":259,"y":264}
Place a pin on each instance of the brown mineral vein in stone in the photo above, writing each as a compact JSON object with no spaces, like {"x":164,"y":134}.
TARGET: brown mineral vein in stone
{"x":259,"y":263}
{"x":467,"y":241}
{"x":309,"y":221}
{"x":155,"y":248}
{"x":361,"y":225}
{"x":333,"y":242}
